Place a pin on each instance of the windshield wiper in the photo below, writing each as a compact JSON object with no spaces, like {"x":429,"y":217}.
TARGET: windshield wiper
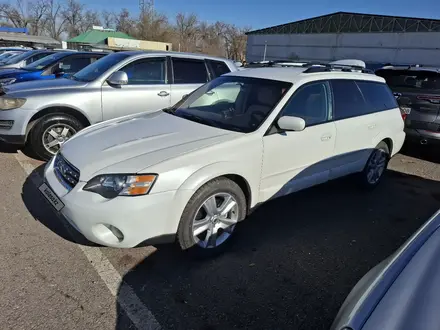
{"x":198,"y":119}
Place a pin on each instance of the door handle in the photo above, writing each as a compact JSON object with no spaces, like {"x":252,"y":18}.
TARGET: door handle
{"x":163,"y":93}
{"x":371,"y":126}
{"x":210,"y":93}
{"x":326,"y":137}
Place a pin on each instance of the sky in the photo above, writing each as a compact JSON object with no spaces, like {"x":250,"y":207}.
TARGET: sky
{"x":265,"y":13}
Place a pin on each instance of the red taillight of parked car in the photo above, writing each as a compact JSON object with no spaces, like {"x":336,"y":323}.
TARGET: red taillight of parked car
{"x":405,"y":111}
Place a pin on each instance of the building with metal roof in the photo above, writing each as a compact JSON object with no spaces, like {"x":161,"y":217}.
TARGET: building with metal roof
{"x":19,"y":36}
{"x":95,"y":38}
{"x":342,"y":35}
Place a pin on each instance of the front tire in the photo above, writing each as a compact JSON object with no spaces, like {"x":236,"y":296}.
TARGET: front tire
{"x":376,"y":166}
{"x":210,"y":217}
{"x":50,"y":132}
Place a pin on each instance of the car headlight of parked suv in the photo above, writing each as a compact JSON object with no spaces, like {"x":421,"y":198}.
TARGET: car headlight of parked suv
{"x":9,"y":103}
{"x":113,"y":185}
{"x":7,"y":81}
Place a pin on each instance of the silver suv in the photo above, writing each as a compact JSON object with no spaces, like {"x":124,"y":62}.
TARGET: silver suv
{"x":45,"y":114}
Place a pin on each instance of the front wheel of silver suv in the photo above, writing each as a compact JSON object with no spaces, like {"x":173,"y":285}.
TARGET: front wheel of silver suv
{"x":50,"y":132}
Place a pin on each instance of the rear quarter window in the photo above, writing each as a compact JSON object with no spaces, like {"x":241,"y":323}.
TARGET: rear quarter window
{"x":378,"y":96}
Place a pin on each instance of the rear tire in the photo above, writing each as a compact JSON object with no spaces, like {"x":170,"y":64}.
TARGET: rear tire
{"x":210,"y":217}
{"x":50,"y":132}
{"x":375,"y":167}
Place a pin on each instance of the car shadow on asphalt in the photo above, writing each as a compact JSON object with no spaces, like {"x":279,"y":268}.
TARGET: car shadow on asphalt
{"x":423,"y":152}
{"x":43,"y":212}
{"x":13,"y":149}
{"x":292,"y":262}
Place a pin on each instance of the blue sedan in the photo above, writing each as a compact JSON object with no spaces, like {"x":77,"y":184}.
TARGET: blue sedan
{"x":57,"y":65}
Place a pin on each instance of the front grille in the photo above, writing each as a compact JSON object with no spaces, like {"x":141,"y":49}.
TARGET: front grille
{"x":65,"y":172}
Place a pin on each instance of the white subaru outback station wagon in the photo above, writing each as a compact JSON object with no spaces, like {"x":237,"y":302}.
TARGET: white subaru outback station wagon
{"x":194,"y":171}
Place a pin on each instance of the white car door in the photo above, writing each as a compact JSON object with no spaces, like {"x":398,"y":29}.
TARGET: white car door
{"x":147,"y":89}
{"x":356,"y":126}
{"x":296,"y":160}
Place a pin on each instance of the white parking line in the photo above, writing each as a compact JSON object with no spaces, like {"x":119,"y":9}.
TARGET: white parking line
{"x":138,"y":313}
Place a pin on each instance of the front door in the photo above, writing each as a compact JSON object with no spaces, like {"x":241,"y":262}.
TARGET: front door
{"x":147,"y":89}
{"x":296,"y":160}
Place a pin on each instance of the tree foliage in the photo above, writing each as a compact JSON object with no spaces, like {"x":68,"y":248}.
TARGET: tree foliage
{"x":62,"y":19}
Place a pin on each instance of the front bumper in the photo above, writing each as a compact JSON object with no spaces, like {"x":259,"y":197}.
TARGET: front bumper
{"x":153,"y":217}
{"x":422,"y":137}
{"x":17,"y":132}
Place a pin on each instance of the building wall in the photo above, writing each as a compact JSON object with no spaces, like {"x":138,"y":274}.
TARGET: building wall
{"x":404,"y":48}
{"x":117,"y":43}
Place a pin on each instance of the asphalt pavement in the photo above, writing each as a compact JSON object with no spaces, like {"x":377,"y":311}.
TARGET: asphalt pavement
{"x":290,"y":266}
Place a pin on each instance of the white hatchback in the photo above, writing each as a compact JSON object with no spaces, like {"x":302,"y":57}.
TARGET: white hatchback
{"x":192,"y":172}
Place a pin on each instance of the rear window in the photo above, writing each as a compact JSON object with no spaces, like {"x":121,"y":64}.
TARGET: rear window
{"x":410,"y":79}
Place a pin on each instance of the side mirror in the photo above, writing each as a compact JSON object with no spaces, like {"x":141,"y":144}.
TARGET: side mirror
{"x":289,"y":123}
{"x":118,"y":78}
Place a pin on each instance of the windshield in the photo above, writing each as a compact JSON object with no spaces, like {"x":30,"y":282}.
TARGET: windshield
{"x":96,"y":69}
{"x":44,"y":62}
{"x":8,"y":55}
{"x":238,"y":104}
{"x":19,"y":58}
{"x":411,"y":79}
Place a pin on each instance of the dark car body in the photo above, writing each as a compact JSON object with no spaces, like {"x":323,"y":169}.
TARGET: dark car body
{"x":53,"y":66}
{"x":402,"y":292}
{"x":421,"y":86}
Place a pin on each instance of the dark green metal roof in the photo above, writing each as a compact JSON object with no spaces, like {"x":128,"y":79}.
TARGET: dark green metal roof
{"x":97,"y":36}
{"x":343,"y":22}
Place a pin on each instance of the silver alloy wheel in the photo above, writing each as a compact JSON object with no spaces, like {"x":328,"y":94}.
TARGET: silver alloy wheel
{"x":215,"y":220}
{"x":54,"y":136}
{"x":376,"y":166}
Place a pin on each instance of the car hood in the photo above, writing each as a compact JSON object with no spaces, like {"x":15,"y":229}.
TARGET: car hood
{"x":36,"y":85}
{"x":6,"y":73}
{"x":134,"y":143}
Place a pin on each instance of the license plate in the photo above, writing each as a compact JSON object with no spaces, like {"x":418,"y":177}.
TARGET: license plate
{"x":51,"y":197}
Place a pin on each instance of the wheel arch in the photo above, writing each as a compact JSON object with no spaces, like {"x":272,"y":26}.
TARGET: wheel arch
{"x":79,"y":115}
{"x":223,"y":169}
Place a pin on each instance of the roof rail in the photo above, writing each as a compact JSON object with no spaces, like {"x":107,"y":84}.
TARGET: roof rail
{"x":327,"y":67}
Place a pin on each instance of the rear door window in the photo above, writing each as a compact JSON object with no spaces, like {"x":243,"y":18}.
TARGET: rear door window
{"x":411,"y":80}
{"x":189,"y":71}
{"x":377,"y":95}
{"x":218,"y":68}
{"x":348,"y":99}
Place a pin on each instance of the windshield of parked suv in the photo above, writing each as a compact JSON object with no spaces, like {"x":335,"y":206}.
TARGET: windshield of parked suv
{"x":411,"y":79}
{"x":96,"y":69}
{"x":44,"y":62}
{"x":238,"y":104}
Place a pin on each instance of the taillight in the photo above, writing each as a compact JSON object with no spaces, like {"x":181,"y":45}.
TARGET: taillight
{"x":405,"y":111}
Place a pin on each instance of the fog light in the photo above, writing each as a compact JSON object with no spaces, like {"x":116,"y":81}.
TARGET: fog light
{"x":7,"y":124}
{"x":116,"y":232}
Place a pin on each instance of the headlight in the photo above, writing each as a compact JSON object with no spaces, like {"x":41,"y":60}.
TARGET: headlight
{"x":113,"y":185}
{"x":8,"y":103}
{"x":7,"y":81}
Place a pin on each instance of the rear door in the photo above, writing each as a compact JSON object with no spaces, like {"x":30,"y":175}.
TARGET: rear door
{"x":356,"y":127}
{"x":423,"y":89}
{"x":188,"y":75}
